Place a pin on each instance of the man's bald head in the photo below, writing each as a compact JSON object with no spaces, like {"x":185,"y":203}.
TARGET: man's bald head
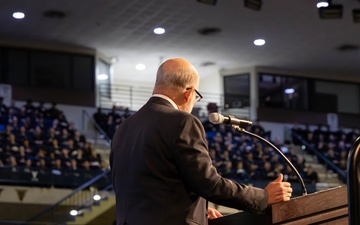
{"x":176,"y":73}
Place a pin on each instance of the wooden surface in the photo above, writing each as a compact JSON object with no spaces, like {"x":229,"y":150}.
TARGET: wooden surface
{"x":322,"y":207}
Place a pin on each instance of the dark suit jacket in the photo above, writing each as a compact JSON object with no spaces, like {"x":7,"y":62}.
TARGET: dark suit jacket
{"x":162,"y":172}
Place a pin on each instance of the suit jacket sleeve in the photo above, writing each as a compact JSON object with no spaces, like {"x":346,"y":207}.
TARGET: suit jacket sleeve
{"x":200,"y":176}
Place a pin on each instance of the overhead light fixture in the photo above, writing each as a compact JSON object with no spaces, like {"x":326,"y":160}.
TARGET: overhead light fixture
{"x":140,"y":66}
{"x":159,"y":30}
{"x":289,"y":91}
{"x":356,"y":15}
{"x":97,"y":197}
{"x":18,"y":15}
{"x":322,"y":4}
{"x":253,"y":4}
{"x":208,"y":2}
{"x":74,"y":212}
{"x":259,"y":42}
{"x":331,"y":11}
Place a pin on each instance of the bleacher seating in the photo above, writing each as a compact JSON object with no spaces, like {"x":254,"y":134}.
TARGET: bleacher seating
{"x":40,"y":147}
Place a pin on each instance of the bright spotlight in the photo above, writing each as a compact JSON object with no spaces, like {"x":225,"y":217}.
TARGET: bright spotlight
{"x":289,"y":90}
{"x":322,"y":4}
{"x":259,"y":42}
{"x":102,"y":76}
{"x":159,"y":30}
{"x":140,"y":66}
{"x":97,"y":197}
{"x":18,"y":15}
{"x":74,"y":212}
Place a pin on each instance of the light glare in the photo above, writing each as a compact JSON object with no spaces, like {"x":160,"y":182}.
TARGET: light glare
{"x":289,"y":90}
{"x":102,"y":76}
{"x":140,"y":66}
{"x":74,"y":212}
{"x":259,"y":42}
{"x":322,"y":4}
{"x":159,"y":30}
{"x":97,"y":197}
{"x":18,"y":15}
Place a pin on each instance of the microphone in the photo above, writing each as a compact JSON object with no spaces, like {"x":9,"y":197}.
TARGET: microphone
{"x":217,"y":118}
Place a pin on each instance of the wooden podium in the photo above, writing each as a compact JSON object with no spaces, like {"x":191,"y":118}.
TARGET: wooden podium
{"x":323,"y":207}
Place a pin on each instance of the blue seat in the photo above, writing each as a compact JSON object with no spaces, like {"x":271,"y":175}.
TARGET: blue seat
{"x":2,"y":127}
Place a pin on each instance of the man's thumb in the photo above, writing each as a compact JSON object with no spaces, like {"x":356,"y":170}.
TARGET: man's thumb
{"x":279,"y":178}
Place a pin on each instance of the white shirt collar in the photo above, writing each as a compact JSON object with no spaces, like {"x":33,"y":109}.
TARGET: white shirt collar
{"x":166,"y":98}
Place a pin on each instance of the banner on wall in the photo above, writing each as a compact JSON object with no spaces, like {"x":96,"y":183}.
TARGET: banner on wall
{"x":332,"y":121}
{"x":6,"y":93}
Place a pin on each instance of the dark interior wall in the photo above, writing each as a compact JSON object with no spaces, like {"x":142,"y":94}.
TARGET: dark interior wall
{"x":65,"y":77}
{"x":302,"y":117}
{"x":60,"y":96}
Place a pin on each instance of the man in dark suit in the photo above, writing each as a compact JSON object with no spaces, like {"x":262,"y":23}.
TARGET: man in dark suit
{"x":161,"y":169}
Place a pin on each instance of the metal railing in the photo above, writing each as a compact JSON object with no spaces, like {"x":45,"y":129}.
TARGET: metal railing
{"x":134,"y":97}
{"x":79,"y":198}
{"x":322,"y":157}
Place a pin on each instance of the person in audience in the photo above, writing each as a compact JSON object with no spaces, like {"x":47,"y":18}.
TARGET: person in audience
{"x":12,"y":163}
{"x":87,"y":172}
{"x":50,"y":136}
{"x":100,"y":118}
{"x":14,"y":110}
{"x":267,"y":172}
{"x":311,"y":176}
{"x":79,"y":156}
{"x":57,"y":168}
{"x":289,"y":174}
{"x":166,"y":159}
{"x":43,"y":167}
{"x":37,"y":137}
{"x":29,"y":107}
{"x":52,"y":112}
{"x":27,"y":168}
{"x":64,"y":137}
{"x":241,"y":173}
{"x":79,"y":139}
{"x":21,"y":157}
{"x":40,"y":108}
{"x":74,"y":169}
{"x":65,"y":158}
{"x":95,"y":160}
{"x":3,"y":108}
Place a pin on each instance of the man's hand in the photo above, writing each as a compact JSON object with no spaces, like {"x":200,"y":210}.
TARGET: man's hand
{"x":213,"y":214}
{"x":278,"y":191}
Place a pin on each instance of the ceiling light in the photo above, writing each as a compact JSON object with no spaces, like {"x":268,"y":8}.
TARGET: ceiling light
{"x":259,"y":42}
{"x":159,"y":30}
{"x":96,"y":197}
{"x":140,"y":66}
{"x":74,"y":212}
{"x":209,"y":2}
{"x":253,"y":4}
{"x":331,"y":12}
{"x":102,"y":76}
{"x":289,"y":91}
{"x":18,"y":15}
{"x":322,"y":4}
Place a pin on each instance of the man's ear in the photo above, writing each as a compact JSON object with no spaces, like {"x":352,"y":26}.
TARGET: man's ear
{"x":187,"y":95}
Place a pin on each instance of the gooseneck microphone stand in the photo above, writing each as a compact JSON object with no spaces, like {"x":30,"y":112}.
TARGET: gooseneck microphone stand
{"x":242,"y":130}
{"x":353,"y":182}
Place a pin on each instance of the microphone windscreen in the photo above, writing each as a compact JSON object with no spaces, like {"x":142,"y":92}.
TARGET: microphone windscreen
{"x":216,"y":118}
